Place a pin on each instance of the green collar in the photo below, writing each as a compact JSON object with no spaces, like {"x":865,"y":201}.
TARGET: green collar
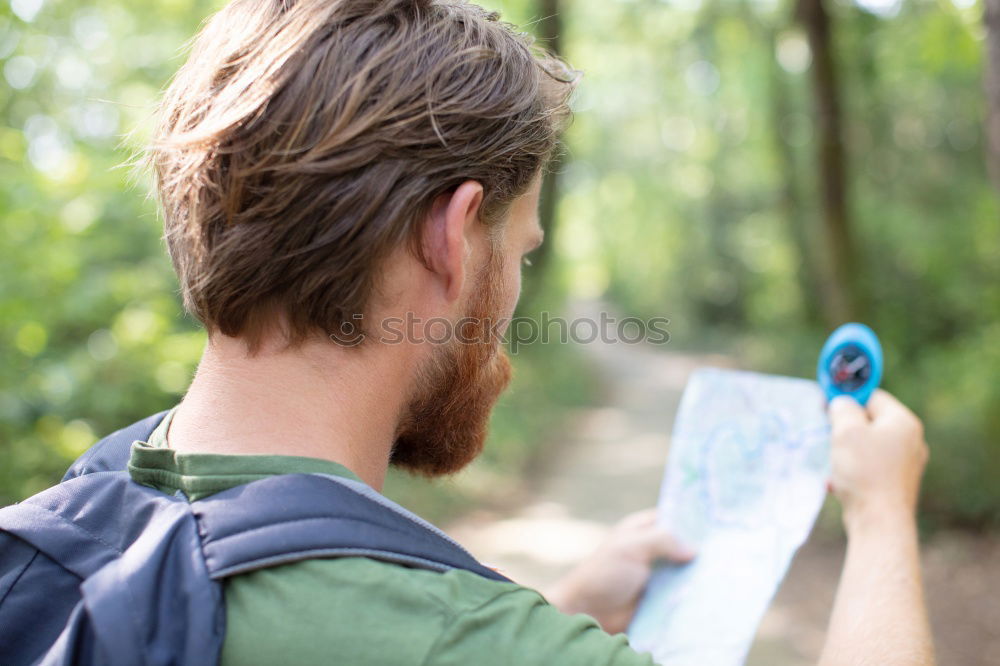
{"x":198,"y":475}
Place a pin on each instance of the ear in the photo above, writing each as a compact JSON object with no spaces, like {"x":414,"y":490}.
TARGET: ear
{"x":447,"y":236}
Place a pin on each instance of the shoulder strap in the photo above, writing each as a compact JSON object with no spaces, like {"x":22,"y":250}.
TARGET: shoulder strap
{"x":144,"y":597}
{"x":151,"y":563}
{"x":111,"y":453}
{"x":52,"y":542}
{"x":231,"y":527}
{"x":292,"y":517}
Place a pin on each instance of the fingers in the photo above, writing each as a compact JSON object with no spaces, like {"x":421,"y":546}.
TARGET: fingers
{"x":649,"y":540}
{"x":890,"y":412}
{"x":845,"y":412}
{"x":661,"y":545}
{"x":644,"y":518}
{"x":884,"y":405}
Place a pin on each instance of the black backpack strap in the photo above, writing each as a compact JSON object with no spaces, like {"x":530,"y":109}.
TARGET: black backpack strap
{"x":373,"y":526}
{"x":151,"y":564}
{"x":111,"y":453}
{"x":142,"y":592}
{"x":292,"y":517}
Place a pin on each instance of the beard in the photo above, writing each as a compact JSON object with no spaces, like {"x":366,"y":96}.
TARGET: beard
{"x":445,"y":426}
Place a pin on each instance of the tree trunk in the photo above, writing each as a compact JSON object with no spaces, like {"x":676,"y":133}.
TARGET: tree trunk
{"x":812,"y":279}
{"x":992,"y":82}
{"x":832,"y":161}
{"x":549,"y":36}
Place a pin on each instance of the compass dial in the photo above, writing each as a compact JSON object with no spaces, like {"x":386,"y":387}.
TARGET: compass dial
{"x":850,"y":368}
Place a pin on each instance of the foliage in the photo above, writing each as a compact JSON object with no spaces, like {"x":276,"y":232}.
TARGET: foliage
{"x":690,"y":190}
{"x":92,"y":335}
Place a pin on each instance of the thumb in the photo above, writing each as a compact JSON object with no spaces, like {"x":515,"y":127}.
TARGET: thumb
{"x":845,"y":412}
{"x":659,"y":544}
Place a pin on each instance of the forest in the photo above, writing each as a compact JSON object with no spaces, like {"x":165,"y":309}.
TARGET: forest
{"x":756,"y":171}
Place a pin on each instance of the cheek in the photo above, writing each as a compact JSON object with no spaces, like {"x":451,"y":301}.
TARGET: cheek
{"x":506,"y":295}
{"x":512,"y":289}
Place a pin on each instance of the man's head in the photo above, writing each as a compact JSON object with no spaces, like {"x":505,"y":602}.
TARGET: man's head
{"x":321,"y":162}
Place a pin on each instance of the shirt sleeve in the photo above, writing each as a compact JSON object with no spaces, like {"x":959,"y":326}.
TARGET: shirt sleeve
{"x":520,"y":627}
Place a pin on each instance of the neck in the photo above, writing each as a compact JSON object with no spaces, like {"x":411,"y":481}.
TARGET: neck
{"x":319,"y":400}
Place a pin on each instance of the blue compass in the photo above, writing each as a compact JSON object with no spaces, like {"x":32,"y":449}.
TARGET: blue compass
{"x":850,"y":363}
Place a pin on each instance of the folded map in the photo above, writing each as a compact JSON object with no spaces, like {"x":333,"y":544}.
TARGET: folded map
{"x":746,"y":476}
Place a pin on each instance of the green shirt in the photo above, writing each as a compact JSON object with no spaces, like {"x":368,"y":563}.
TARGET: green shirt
{"x":359,"y":611}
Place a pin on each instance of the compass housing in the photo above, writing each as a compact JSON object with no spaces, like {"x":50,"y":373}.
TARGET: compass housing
{"x":850,"y":363}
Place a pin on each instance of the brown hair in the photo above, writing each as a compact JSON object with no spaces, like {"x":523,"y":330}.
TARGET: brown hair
{"x":305,"y":139}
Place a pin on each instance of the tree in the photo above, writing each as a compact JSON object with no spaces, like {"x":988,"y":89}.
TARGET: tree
{"x":992,"y":81}
{"x":809,"y":273}
{"x":841,"y":293}
{"x":549,"y":32}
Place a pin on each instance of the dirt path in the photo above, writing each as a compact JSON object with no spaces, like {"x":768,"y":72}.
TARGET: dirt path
{"x":610,"y":463}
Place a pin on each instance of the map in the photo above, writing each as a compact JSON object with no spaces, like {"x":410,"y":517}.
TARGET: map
{"x":745,"y":479}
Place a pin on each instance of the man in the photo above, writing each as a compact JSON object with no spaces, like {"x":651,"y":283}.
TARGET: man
{"x":335,"y":172}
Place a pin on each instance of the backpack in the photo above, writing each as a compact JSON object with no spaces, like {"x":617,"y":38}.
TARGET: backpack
{"x":102,"y":570}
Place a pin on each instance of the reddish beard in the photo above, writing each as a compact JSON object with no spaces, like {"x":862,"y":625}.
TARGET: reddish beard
{"x":445,"y":426}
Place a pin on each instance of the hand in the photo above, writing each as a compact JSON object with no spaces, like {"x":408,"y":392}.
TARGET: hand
{"x":608,"y":584}
{"x":878,"y":456}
